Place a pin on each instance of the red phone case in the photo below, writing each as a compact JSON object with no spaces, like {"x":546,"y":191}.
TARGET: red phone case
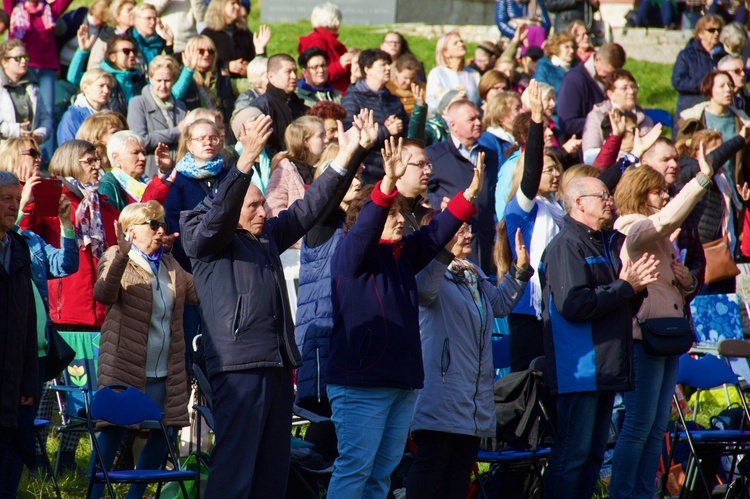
{"x":47,"y":197}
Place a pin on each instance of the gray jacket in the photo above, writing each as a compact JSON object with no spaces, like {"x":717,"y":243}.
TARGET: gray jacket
{"x":147,"y":120}
{"x":457,"y":348}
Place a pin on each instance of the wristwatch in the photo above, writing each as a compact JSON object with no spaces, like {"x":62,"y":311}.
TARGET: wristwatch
{"x":630,"y":159}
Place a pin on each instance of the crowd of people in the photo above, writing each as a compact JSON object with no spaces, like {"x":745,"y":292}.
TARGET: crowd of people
{"x":352,"y":238}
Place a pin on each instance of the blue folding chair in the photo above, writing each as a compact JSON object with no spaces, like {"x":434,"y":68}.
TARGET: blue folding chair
{"x":128,"y":406}
{"x":39,"y":426}
{"x":659,"y":116}
{"x":703,"y":374}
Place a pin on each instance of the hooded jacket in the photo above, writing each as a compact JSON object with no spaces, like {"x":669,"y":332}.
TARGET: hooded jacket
{"x":42,"y":117}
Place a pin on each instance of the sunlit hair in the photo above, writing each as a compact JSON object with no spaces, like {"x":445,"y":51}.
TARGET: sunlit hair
{"x":100,"y":10}
{"x":202,"y":79}
{"x":119,"y":140}
{"x":138,"y":213}
{"x":442,"y":44}
{"x":296,"y":136}
{"x":326,"y":15}
{"x":9,"y":45}
{"x":545,"y":88}
{"x":187,"y":135}
{"x":141,"y":7}
{"x":329,"y":154}
{"x":257,"y":72}
{"x":90,"y":77}
{"x":65,"y":161}
{"x":215,"y":16}
{"x":631,"y":195}
{"x":116,"y":6}
{"x":489,"y":79}
{"x":97,"y":126}
{"x":326,"y":109}
{"x":11,"y":149}
{"x":164,"y":62}
{"x":577,"y":171}
{"x":113,"y":46}
{"x":554,"y":42}
{"x":706,"y":22}
{"x":707,"y":83}
{"x":498,"y":107}
{"x":690,"y":146}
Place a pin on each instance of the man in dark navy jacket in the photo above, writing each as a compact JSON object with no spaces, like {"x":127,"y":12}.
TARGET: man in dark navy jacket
{"x":453,"y":163}
{"x":247,"y":326}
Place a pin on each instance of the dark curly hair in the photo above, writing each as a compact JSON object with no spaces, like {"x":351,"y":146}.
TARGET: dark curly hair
{"x":356,"y":206}
{"x":326,"y":109}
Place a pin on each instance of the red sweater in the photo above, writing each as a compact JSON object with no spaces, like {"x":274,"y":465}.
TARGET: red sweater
{"x":328,"y":41}
{"x":40,"y":41}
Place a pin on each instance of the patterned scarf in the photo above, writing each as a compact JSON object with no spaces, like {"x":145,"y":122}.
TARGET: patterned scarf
{"x":188,"y":167}
{"x":20,"y":21}
{"x":464,"y":271}
{"x":88,"y":218}
{"x":134,"y":188}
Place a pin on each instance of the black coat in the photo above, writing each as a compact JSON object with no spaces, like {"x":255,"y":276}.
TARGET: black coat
{"x":283,"y":108}
{"x":19,"y":363}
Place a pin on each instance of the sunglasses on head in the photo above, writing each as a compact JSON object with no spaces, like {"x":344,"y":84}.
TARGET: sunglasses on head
{"x":155,"y":224}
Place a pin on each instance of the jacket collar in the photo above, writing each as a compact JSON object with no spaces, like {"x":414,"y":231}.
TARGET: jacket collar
{"x":303,"y":85}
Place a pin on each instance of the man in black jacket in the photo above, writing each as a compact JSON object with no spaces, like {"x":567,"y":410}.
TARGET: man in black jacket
{"x":18,"y":351}
{"x":280,"y":101}
{"x":413,"y":185}
{"x":245,"y":318}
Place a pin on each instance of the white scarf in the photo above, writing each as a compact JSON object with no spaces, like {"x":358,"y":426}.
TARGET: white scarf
{"x":731,"y":203}
{"x":559,"y":62}
{"x":548,"y":222}
{"x":501,"y":134}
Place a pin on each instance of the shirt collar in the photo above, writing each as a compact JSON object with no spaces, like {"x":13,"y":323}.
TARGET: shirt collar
{"x":463,"y":150}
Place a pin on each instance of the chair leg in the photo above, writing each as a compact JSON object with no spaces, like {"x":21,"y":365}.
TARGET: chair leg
{"x":47,"y":464}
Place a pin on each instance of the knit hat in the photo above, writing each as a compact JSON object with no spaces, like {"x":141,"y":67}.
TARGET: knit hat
{"x":243,"y":116}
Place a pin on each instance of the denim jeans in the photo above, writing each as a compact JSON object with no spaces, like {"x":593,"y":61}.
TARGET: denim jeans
{"x":583,"y":421}
{"x":639,"y":445}
{"x":371,"y":425}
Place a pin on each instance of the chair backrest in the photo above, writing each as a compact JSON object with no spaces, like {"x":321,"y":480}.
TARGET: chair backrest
{"x":501,"y":352}
{"x":705,"y":372}
{"x":123,"y":406}
{"x":659,"y":116}
{"x":738,"y":349}
{"x":715,"y":318}
{"x":82,"y":371}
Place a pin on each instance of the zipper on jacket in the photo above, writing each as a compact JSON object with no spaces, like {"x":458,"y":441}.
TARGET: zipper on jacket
{"x":317,"y":361}
{"x":445,"y":358}
{"x":236,"y":320}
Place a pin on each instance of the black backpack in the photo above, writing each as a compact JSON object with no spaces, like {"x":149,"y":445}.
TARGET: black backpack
{"x":520,"y":418}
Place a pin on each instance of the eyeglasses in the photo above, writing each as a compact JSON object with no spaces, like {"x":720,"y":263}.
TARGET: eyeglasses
{"x":206,"y":51}
{"x":464,"y":231}
{"x":625,"y":88}
{"x":551,"y":171}
{"x":36,"y":155}
{"x":127,"y":51}
{"x":660,"y":192}
{"x":212,"y":139}
{"x":91,"y":161}
{"x":319,"y":67}
{"x":603,"y":195}
{"x":711,"y":30}
{"x":421,"y":165}
{"x":18,"y":58}
{"x":738,"y":71}
{"x":155,"y":225}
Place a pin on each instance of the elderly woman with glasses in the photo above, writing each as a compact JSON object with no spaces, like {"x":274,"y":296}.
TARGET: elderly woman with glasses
{"x":696,"y":60}
{"x":457,"y":307}
{"x":71,"y":299}
{"x":23,"y":112}
{"x":648,"y":218}
{"x":142,"y":342}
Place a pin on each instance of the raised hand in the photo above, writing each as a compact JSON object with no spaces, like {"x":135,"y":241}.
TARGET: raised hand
{"x":394,"y":125}
{"x":643,"y":144}
{"x":522,"y":254}
{"x":253,"y":137}
{"x":163,"y":160}
{"x":365,"y":120}
{"x":475,"y":187}
{"x":617,"y":119}
{"x":743,"y":191}
{"x":349,"y":140}
{"x":572,"y":145}
{"x":745,"y":132}
{"x":705,"y":168}
{"x":535,"y":101}
{"x":64,"y":210}
{"x":123,"y":242}
{"x":85,"y":40}
{"x":190,"y":57}
{"x":167,"y":240}
{"x":346,"y":59}
{"x":395,"y":158}
{"x":165,"y":32}
{"x":419,"y":94}
{"x":27,"y":196}
{"x":238,"y":66}
{"x":641,"y":273}
{"x":261,"y":38}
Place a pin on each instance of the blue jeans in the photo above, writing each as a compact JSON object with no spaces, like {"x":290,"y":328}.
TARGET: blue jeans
{"x":372,"y":425}
{"x":583,"y":421}
{"x":639,"y":445}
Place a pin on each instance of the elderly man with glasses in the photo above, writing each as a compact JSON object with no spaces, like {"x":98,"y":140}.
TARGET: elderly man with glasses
{"x":589,"y":297}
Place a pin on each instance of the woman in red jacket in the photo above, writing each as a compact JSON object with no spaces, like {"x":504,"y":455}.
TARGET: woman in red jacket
{"x":325,"y":20}
{"x":72,"y":306}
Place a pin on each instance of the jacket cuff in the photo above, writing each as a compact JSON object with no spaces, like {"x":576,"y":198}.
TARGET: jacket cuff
{"x":383,"y":200}
{"x":521,"y":274}
{"x":445,"y":257}
{"x":461,"y":208}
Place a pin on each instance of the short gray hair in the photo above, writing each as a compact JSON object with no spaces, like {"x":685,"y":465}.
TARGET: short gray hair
{"x":7,"y":179}
{"x":257,"y":70}
{"x":734,"y":37}
{"x":724,"y":61}
{"x":119,"y":140}
{"x":575,"y":189}
{"x":326,"y":15}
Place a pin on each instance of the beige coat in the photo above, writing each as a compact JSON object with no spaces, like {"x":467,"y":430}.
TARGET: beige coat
{"x":651,"y":235}
{"x":125,"y":288}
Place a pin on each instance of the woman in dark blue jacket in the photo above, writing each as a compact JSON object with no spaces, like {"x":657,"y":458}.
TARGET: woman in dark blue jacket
{"x":699,"y":57}
{"x":376,"y":359}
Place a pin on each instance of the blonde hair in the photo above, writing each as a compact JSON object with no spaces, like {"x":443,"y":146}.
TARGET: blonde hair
{"x":100,"y":10}
{"x":498,"y":107}
{"x":329,"y":154}
{"x":164,"y":62}
{"x":142,"y":7}
{"x":577,"y":171}
{"x":96,"y":126}
{"x":187,"y":134}
{"x":90,"y":76}
{"x":257,"y":71}
{"x":214,"y":18}
{"x":137,"y":213}
{"x":689,"y":146}
{"x":65,"y":161}
{"x":553,"y":43}
{"x":632,"y":190}
{"x":442,"y":44}
{"x":203,"y":79}
{"x":296,"y":136}
{"x":10,"y":152}
{"x":116,"y":6}
{"x":326,"y":15}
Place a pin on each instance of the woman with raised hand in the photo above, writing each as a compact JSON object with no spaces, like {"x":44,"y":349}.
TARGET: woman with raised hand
{"x":533,"y":209}
{"x":142,"y":342}
{"x":375,"y":362}
{"x":457,"y":308}
{"x":649,"y":219}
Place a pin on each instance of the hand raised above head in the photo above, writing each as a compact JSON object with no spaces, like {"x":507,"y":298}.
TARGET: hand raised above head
{"x":253,"y":137}
{"x":477,"y":181}
{"x":535,"y":101}
{"x":395,"y":158}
